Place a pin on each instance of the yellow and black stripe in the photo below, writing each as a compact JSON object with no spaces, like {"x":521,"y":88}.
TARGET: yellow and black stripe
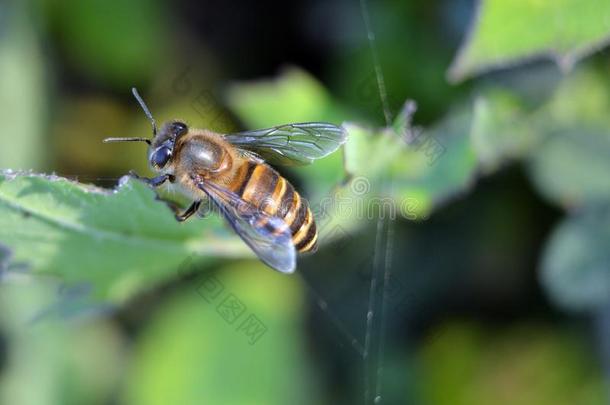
{"x":262,"y":186}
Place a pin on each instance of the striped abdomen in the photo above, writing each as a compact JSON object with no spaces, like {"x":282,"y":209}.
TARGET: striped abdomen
{"x":262,"y":186}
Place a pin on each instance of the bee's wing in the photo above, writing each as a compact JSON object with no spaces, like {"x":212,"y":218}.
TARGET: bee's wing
{"x":291,"y":144}
{"x":269,"y":237}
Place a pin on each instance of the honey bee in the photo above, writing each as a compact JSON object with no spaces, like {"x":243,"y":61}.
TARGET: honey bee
{"x":231,"y":172}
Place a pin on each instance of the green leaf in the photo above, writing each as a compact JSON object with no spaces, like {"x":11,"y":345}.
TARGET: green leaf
{"x":196,"y":350}
{"x":119,"y":241}
{"x":441,"y":162}
{"x":423,"y":167}
{"x":507,"y":32}
{"x":563,"y":139}
{"x":576,"y":261}
{"x":570,"y":166}
{"x":501,"y":130}
{"x":72,"y":361}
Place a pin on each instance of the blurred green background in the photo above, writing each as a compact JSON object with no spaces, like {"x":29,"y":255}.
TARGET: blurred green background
{"x":490,"y":284}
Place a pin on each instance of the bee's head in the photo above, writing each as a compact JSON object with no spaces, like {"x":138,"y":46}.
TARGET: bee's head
{"x":161,"y":146}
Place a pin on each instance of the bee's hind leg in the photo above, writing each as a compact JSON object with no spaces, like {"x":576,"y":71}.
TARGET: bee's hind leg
{"x":188,"y":212}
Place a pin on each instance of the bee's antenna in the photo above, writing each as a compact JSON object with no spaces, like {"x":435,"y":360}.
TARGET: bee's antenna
{"x":135,"y":93}
{"x":107,"y":140}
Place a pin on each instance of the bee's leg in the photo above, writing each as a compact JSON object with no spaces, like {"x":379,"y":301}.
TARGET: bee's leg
{"x":189,"y":211}
{"x":155,"y":181}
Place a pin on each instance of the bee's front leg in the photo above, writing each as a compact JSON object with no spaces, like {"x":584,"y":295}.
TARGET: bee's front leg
{"x":154,"y":181}
{"x":158,"y":181}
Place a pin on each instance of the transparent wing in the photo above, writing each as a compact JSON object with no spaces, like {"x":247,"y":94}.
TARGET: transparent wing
{"x":269,"y":237}
{"x":291,"y":144}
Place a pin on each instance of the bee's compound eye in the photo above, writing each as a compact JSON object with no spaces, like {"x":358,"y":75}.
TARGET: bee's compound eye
{"x":179,"y":128}
{"x":160,"y":157}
